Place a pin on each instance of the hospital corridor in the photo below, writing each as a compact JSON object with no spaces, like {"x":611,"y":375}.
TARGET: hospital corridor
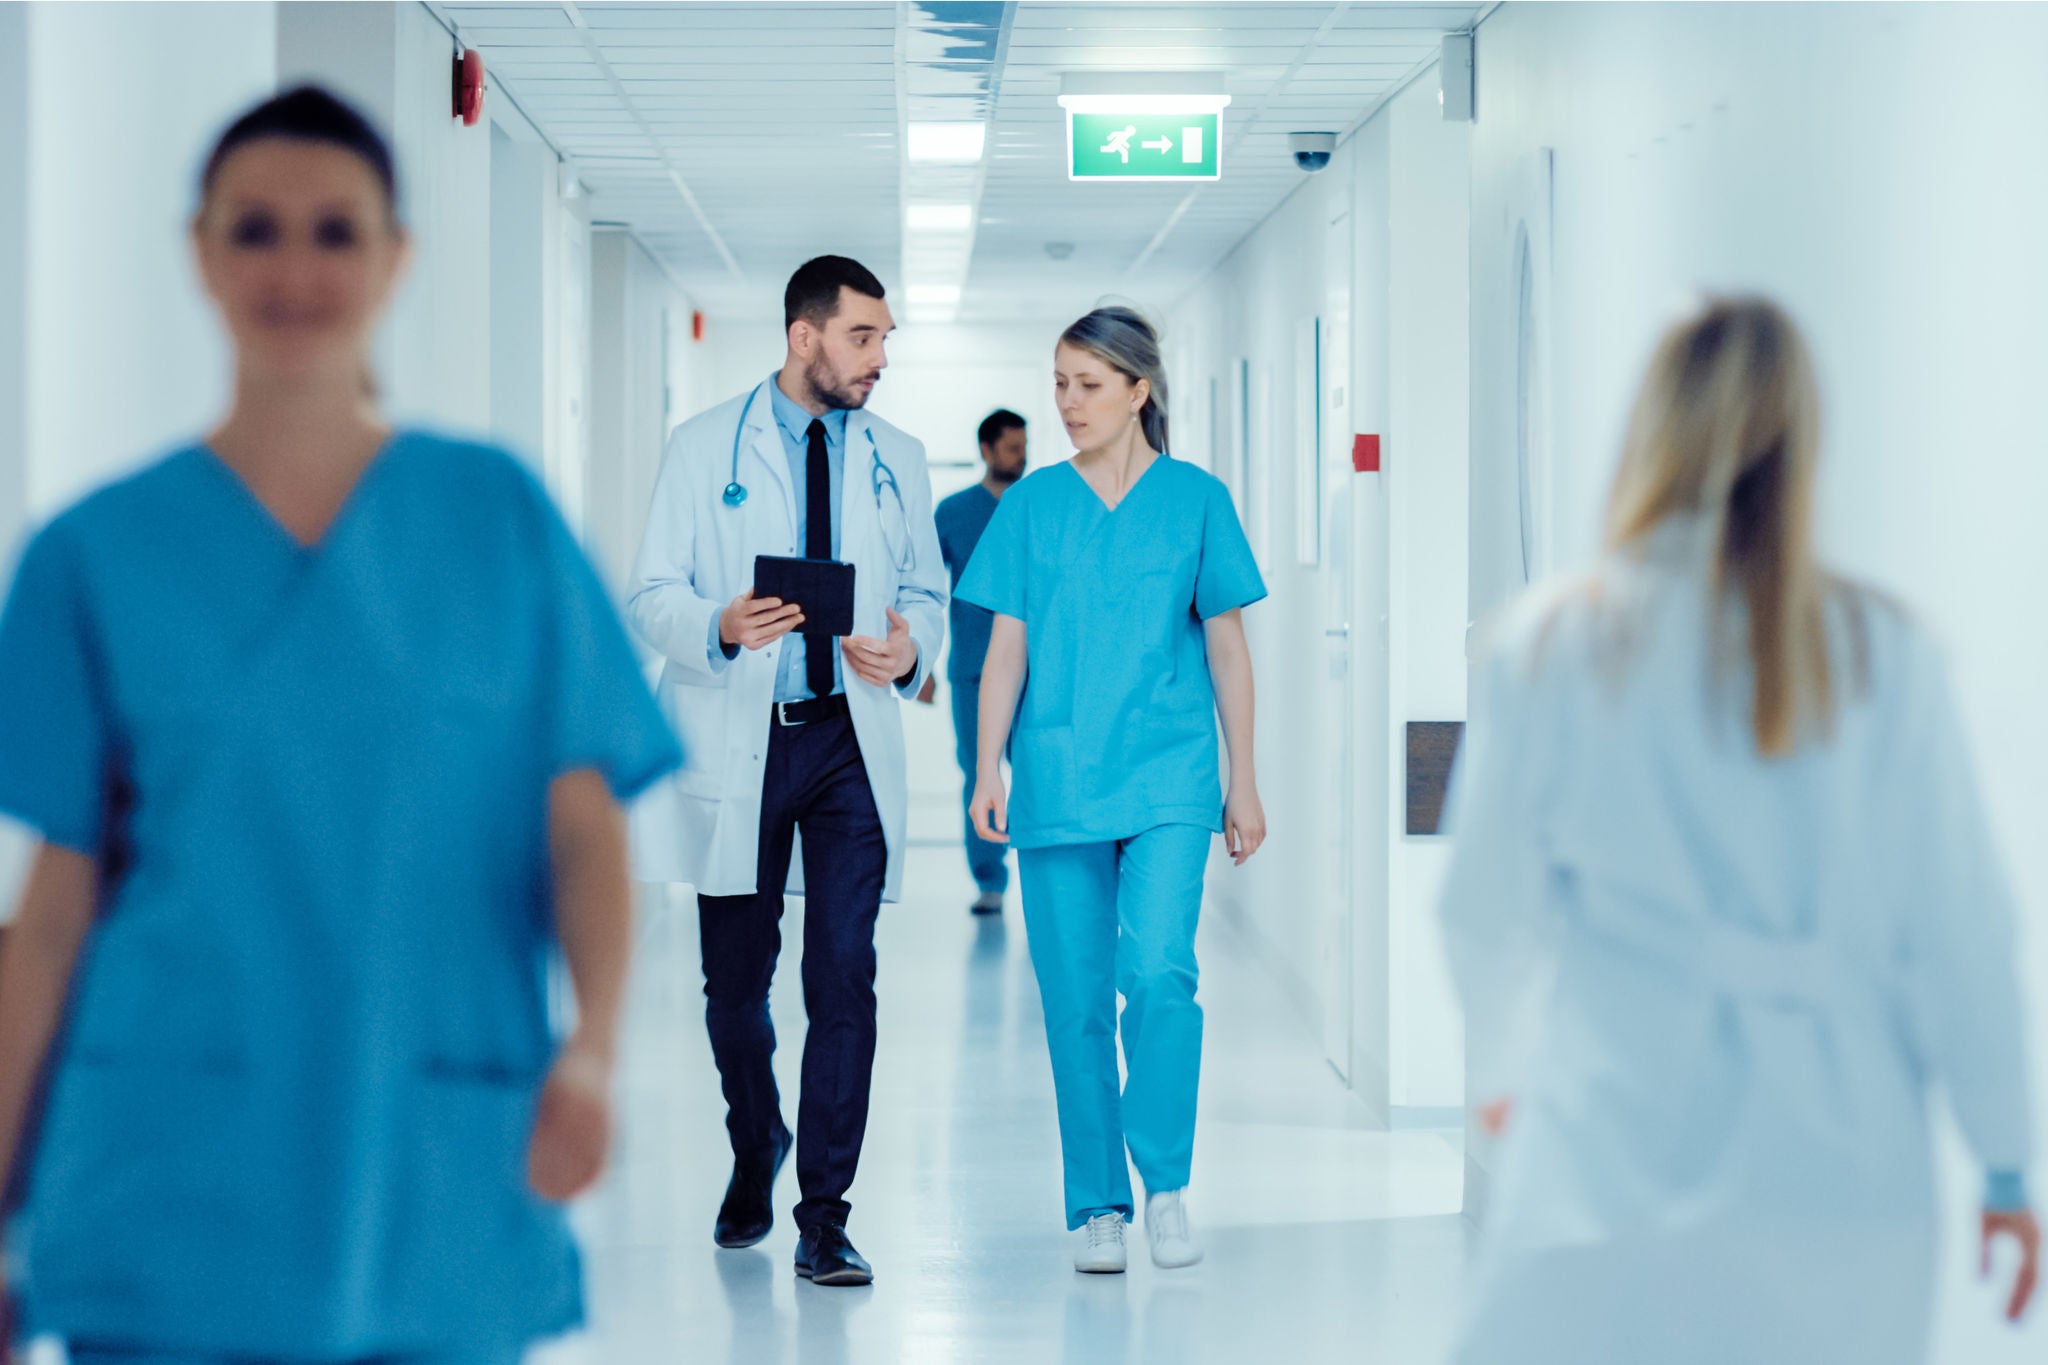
{"x":1333,"y":1235}
{"x":1022,"y":682}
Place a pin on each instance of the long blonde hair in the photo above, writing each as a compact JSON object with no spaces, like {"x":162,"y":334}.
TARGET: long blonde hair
{"x":1726,"y":430}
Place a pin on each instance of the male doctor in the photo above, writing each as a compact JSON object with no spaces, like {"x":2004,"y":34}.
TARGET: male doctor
{"x":788,"y":732}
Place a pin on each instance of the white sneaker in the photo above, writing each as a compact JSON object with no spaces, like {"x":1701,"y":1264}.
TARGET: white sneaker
{"x":988,"y":903}
{"x":1166,"y":1225}
{"x":1099,"y":1247}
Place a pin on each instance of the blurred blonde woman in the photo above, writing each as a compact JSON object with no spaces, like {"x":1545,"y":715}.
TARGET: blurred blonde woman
{"x":1724,"y":908}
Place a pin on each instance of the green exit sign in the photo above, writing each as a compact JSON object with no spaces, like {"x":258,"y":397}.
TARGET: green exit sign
{"x":1110,"y":146}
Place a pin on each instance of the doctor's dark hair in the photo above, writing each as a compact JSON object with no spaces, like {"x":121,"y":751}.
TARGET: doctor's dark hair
{"x":813,"y":292}
{"x":307,"y":113}
{"x":1122,"y":339}
{"x":995,"y":424}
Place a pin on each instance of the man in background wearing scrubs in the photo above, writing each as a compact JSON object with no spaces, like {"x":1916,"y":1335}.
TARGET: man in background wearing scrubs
{"x":961,"y":519}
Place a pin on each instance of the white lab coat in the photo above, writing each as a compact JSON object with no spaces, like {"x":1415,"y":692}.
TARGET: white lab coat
{"x":1718,"y":988}
{"x":702,"y":825}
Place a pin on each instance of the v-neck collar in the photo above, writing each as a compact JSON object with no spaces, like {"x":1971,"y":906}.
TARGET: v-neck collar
{"x":1161,"y":458}
{"x":304,"y":549}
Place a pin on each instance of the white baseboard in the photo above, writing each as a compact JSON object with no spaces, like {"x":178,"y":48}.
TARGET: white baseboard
{"x":1368,"y":1079}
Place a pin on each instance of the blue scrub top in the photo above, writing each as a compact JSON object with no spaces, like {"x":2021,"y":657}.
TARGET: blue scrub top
{"x":1116,"y":728}
{"x":961,"y":520}
{"x":309,"y":1027}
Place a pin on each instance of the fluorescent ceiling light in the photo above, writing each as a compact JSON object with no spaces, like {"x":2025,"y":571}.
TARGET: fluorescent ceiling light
{"x":1144,"y":104}
{"x":938,"y":217}
{"x":935,"y":295}
{"x":951,"y":143}
{"x":1143,"y":92}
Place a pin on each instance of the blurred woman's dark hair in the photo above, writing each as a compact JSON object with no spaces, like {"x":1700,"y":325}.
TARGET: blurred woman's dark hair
{"x":306,"y":113}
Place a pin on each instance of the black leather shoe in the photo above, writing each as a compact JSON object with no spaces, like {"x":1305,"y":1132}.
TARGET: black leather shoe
{"x":824,"y":1256}
{"x":749,"y":1208}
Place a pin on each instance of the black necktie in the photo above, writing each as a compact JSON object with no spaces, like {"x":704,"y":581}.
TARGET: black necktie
{"x":818,"y":545}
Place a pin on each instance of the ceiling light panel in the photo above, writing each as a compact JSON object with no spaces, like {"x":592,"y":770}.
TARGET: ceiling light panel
{"x":946,"y":144}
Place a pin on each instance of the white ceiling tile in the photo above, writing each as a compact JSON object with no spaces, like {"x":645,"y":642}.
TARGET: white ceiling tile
{"x":754,"y":103}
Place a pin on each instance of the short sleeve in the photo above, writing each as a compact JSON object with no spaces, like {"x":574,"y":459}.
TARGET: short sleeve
{"x":996,"y":573}
{"x":55,"y":731}
{"x":601,"y":713}
{"x":1228,"y":576}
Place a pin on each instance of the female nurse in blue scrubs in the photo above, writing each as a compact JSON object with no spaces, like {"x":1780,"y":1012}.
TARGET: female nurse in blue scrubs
{"x":1118,"y":580}
{"x":324,"y":729}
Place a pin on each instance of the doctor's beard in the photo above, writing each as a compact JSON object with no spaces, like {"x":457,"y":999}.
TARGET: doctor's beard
{"x":830,"y":389}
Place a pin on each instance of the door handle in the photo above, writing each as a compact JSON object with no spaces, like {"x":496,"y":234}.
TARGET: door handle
{"x":1337,"y":633}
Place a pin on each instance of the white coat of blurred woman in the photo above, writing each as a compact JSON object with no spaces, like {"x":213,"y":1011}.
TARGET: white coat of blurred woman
{"x":1724,"y":910}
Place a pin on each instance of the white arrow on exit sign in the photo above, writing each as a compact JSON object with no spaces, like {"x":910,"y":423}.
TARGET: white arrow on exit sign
{"x":1164,"y":144}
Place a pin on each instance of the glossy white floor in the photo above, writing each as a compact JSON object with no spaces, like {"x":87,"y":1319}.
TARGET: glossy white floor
{"x":1327,"y":1240}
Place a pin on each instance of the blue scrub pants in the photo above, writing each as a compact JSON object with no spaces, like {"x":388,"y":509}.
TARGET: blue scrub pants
{"x":1104,"y":918}
{"x":984,"y":859}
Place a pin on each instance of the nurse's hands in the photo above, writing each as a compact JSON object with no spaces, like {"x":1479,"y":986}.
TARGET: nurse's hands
{"x":1244,"y":822}
{"x":882,"y":662}
{"x":990,"y":809}
{"x":573,"y":1131}
{"x":2022,"y":1228}
{"x":753,"y":624}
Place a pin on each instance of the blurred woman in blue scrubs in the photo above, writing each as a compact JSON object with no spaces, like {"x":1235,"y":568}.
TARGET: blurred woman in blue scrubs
{"x":1118,"y":580}
{"x":324,"y":728}
{"x":1723,"y":907}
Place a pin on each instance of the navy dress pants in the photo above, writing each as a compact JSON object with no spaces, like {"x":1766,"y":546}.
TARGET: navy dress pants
{"x":816,"y":782}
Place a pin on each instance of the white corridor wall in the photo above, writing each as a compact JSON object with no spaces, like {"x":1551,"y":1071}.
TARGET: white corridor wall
{"x":1375,"y":246}
{"x":434,"y":351}
{"x":643,"y":376}
{"x":1878,"y":168}
{"x":124,"y":357}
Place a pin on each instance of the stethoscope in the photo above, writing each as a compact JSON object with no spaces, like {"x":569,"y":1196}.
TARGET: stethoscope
{"x":882,"y":477}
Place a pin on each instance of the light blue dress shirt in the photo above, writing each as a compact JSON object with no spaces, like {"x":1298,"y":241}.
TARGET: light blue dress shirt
{"x":794,"y":423}
{"x":791,"y":683}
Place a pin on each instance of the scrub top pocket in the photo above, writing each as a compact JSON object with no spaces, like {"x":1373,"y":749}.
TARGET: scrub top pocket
{"x":1043,"y":762}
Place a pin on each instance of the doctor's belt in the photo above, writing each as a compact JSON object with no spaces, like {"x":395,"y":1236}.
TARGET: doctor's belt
{"x":811,"y":710}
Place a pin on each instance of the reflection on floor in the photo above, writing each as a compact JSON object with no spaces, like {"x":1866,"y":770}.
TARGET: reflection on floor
{"x":1327,"y":1240}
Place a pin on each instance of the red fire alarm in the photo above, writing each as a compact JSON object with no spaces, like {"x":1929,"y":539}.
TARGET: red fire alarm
{"x":696,"y":326}
{"x":469,"y":87}
{"x":1365,"y":453}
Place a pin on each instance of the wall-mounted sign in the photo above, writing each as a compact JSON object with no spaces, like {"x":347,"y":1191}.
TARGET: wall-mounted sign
{"x":1143,"y":146}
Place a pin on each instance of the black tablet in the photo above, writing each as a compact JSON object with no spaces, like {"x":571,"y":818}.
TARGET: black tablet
{"x":822,"y":587}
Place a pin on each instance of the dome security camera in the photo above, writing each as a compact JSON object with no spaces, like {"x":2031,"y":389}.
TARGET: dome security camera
{"x":1312,"y":151}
